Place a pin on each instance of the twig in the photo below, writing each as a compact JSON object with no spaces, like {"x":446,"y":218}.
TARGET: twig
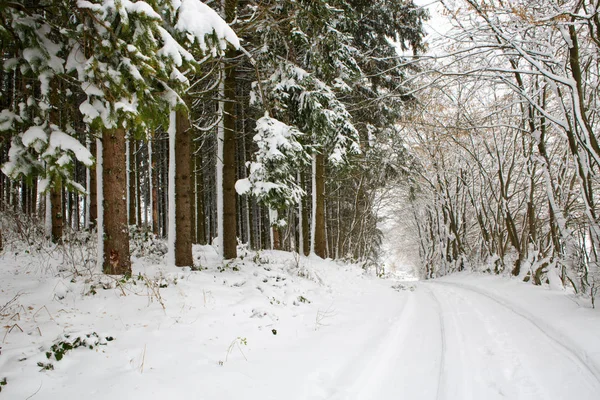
{"x":232,"y":345}
{"x":155,"y":291}
{"x":322,"y":316}
{"x":37,"y":391}
{"x":9,"y":303}
{"x":143,"y":360}
{"x":45,"y":308}
{"x":9,"y":330}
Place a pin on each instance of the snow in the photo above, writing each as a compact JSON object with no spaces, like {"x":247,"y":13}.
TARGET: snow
{"x":61,"y":140}
{"x":89,"y":111}
{"x":34,"y":134}
{"x":243,"y":186}
{"x":278,"y":326}
{"x":92,"y":90}
{"x":271,"y":177}
{"x":140,"y":7}
{"x":172,"y":49}
{"x":43,"y":185}
{"x":7,"y":119}
{"x":199,"y":20}
{"x":133,"y":7}
{"x":274,"y":137}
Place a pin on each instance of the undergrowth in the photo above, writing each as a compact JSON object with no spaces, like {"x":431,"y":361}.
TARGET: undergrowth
{"x":66,"y":343}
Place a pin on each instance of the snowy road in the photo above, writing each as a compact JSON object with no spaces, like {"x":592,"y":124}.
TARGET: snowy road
{"x":452,"y":342}
{"x":491,"y":350}
{"x":445,"y":341}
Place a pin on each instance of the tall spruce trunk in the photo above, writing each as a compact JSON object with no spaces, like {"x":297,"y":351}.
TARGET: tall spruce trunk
{"x":57,"y":211}
{"x":320,"y":245}
{"x":93,"y":212}
{"x":56,"y":205}
{"x":183,"y":190}
{"x":131,"y":181}
{"x":138,"y":185}
{"x":200,"y":217}
{"x":154,"y":192}
{"x":229,"y":239}
{"x":116,"y":258}
{"x":305,"y":221}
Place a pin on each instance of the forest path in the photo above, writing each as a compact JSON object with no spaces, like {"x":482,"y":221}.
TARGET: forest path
{"x":449,"y":341}
{"x":494,"y":350}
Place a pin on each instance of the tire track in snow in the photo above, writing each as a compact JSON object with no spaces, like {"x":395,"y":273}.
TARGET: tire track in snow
{"x":571,"y":350}
{"x":441,"y":373}
{"x":503,"y":366}
{"x":361,"y":376}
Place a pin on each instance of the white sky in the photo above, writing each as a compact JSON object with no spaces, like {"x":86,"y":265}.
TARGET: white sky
{"x":437,"y":24}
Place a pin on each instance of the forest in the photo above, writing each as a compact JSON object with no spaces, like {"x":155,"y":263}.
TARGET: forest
{"x":290,"y":125}
{"x":143,"y":116}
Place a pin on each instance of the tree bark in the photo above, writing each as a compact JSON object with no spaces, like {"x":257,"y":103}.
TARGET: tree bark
{"x":164,"y":194}
{"x":229,"y":154}
{"x":138,"y":185}
{"x":305,"y":219}
{"x":131,"y":181}
{"x":183,"y":190}
{"x":200,"y":217}
{"x":93,"y":213}
{"x":116,"y":258}
{"x":154,"y":178}
{"x":57,"y":211}
{"x":56,"y":205}
{"x":320,"y":246}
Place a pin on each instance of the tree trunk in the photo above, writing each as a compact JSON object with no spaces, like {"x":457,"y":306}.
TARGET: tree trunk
{"x":154,"y":185}
{"x":200,"y":217}
{"x":116,"y":260}
{"x":319,"y":239}
{"x":183,"y":190}
{"x":131,"y":181}
{"x":76,"y":211}
{"x":24,"y":197}
{"x":163,"y":211}
{"x":229,"y":177}
{"x":57,"y":211}
{"x":229,"y":238}
{"x":138,"y":185}
{"x":93,"y":213}
{"x":56,"y":207}
{"x":305,"y":219}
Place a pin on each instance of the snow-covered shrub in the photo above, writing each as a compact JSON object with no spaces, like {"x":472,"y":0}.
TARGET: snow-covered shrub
{"x":19,"y":228}
{"x":144,"y":243}
{"x":67,"y":342}
{"x":78,"y":250}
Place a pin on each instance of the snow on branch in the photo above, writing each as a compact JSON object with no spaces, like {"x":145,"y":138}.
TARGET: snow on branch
{"x":279,"y":155}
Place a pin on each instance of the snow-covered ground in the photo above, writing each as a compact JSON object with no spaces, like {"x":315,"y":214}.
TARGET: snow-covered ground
{"x":273,"y":326}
